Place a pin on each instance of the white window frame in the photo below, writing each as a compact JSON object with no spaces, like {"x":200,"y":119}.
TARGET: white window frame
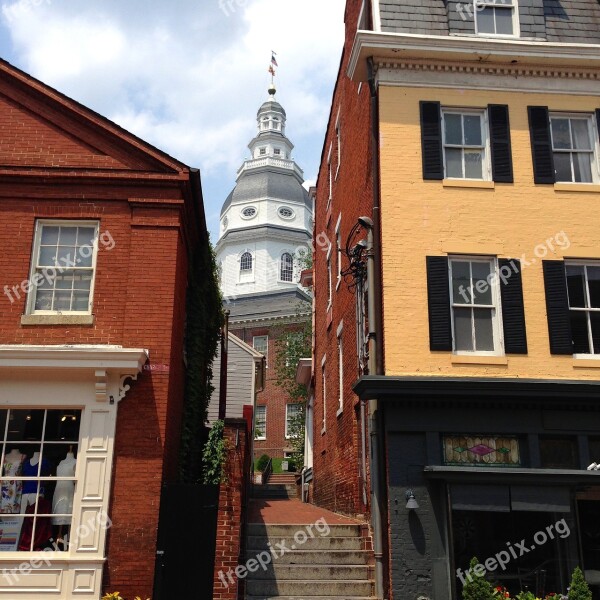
{"x":264,"y":408}
{"x":287,"y":417}
{"x":329,"y":278}
{"x":338,"y":251}
{"x":324,"y":392}
{"x":338,"y":135}
{"x":329,"y":176}
{"x":291,"y":255}
{"x":595,"y":144}
{"x":32,"y":295}
{"x":266,"y":352}
{"x":248,"y":217}
{"x":486,"y":165}
{"x":514,"y":6}
{"x":496,"y":307}
{"x":585,"y":264}
{"x":340,"y":348}
{"x":246,"y":275}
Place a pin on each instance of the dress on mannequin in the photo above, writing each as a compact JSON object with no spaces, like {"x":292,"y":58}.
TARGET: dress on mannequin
{"x":10,"y":501}
{"x":62,"y":503}
{"x":30,"y":488}
{"x":43,"y":527}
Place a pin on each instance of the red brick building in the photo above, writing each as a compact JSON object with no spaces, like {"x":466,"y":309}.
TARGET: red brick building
{"x":97,"y":230}
{"x":344,"y":193}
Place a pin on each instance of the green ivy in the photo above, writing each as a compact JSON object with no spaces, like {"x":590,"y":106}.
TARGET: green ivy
{"x":214,"y":456}
{"x":204,"y":319}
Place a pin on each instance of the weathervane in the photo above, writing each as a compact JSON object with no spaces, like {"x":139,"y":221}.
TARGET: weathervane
{"x":272,"y":66}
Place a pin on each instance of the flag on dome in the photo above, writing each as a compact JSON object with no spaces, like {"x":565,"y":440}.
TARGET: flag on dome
{"x":273,"y":59}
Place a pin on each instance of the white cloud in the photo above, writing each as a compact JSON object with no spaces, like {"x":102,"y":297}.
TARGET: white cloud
{"x":188,"y":80}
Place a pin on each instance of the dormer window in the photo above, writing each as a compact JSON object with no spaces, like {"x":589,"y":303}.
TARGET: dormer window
{"x":496,"y":17}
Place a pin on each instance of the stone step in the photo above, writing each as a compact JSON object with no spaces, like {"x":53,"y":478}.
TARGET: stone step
{"x":309,"y":588}
{"x":274,"y":491}
{"x":320,"y":557}
{"x":288,"y":531}
{"x":277,"y":571}
{"x":258,"y":543}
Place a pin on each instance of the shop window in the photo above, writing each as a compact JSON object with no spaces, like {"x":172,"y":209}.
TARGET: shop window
{"x":260,"y":423}
{"x":594,"y":446}
{"x":39,"y":460}
{"x":486,"y":451}
{"x":63,"y":266}
{"x":559,"y":453}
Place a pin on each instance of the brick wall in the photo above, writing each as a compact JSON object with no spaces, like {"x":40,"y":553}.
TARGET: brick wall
{"x":337,"y":453}
{"x":231,"y":519}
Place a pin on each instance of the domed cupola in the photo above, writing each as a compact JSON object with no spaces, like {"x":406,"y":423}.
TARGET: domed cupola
{"x":268,"y":214}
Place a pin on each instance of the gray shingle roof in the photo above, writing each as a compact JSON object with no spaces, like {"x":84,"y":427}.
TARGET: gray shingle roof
{"x":267,"y":305}
{"x":575,"y":21}
{"x":267,"y":184}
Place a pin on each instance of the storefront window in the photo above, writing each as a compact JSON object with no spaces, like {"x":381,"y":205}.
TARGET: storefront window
{"x":525,"y":537}
{"x":39,"y":459}
{"x":559,"y":453}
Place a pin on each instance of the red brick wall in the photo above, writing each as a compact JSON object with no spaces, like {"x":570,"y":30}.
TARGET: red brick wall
{"x":139,"y":301}
{"x":273,"y":395}
{"x":337,"y":454}
{"x":231,"y":519}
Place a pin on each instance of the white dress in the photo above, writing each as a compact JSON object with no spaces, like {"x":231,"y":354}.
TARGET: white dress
{"x":62,"y":503}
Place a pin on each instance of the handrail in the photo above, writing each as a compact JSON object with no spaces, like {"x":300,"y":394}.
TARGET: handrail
{"x":267,"y":472}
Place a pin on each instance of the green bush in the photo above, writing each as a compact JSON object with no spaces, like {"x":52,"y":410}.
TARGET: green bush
{"x":579,"y":589}
{"x":477,"y":588}
{"x":262,"y":462}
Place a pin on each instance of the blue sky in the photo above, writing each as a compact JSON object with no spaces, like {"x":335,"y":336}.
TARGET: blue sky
{"x":188,"y":75}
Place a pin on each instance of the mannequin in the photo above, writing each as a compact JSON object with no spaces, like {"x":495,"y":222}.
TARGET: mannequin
{"x":30,"y":488}
{"x":10,"y":501}
{"x":62,"y":503}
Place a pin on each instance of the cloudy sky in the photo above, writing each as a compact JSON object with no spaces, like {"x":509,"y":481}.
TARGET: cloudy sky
{"x":186,"y":75}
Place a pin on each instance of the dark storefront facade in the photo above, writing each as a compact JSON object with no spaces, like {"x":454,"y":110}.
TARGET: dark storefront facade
{"x":498,"y":469}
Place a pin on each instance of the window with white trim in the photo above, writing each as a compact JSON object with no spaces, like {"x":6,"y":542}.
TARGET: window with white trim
{"x":39,"y":466}
{"x":261,"y":344}
{"x":340,"y":347}
{"x":583,"y":284}
{"x":324,"y":395}
{"x":466,"y":144}
{"x":246,"y":263}
{"x":475,"y":299}
{"x":496,"y":17}
{"x":286,"y":268}
{"x":338,"y":249}
{"x":329,"y":279}
{"x":329,"y":176}
{"x":63,"y":267}
{"x":574,"y":148}
{"x":338,"y":137}
{"x":260,"y":423}
{"x":292,"y":414}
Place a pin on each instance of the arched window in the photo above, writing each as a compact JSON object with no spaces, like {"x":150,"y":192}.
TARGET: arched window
{"x":287,"y":267}
{"x":246,"y":263}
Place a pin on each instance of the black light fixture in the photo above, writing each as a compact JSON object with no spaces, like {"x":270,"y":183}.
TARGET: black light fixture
{"x":411,"y":501}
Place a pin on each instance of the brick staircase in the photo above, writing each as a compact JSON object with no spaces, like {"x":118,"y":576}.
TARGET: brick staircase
{"x":337,"y":566}
{"x":279,"y":486}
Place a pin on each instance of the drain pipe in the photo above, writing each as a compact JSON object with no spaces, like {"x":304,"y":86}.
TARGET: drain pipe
{"x":375,"y":346}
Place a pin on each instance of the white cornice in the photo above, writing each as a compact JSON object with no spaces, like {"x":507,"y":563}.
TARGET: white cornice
{"x":97,"y":358}
{"x":398,"y":47}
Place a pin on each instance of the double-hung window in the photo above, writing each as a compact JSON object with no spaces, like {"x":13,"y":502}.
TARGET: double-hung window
{"x":261,"y":344}
{"x":583,"y":284}
{"x":293,"y":413}
{"x":574,"y":148}
{"x":260,"y":423}
{"x":475,"y":305}
{"x":286,"y":267}
{"x":39,"y":467}
{"x":496,"y":17}
{"x":466,"y":148}
{"x":63,"y":267}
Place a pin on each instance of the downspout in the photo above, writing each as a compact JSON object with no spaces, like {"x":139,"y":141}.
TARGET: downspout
{"x":375,"y":347}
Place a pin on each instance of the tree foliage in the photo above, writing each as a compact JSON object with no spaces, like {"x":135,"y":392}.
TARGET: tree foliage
{"x":579,"y":589}
{"x":214,"y":455}
{"x":477,"y":588}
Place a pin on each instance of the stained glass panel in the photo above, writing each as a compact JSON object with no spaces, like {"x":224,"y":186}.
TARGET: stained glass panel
{"x":491,"y":451}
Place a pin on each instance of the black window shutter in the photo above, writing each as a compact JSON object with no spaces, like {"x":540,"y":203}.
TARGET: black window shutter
{"x":598,"y":120}
{"x":431,"y":140}
{"x":502,"y":169}
{"x":541,"y":144}
{"x":513,"y":310}
{"x":438,"y":294}
{"x":557,"y":307}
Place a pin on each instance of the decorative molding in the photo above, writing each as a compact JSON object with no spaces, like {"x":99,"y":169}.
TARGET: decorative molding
{"x":101,"y":385}
{"x":125,"y":387}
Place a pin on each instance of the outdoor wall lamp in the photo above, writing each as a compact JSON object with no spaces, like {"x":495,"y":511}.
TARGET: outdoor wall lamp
{"x":411,"y":501}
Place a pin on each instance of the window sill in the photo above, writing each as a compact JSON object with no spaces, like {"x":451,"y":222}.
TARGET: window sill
{"x":478,"y":359}
{"x":577,"y":187}
{"x":260,"y":439}
{"x":323,"y":431}
{"x":339,"y":412}
{"x":469,"y":183}
{"x":57,"y":319}
{"x":580,"y":362}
